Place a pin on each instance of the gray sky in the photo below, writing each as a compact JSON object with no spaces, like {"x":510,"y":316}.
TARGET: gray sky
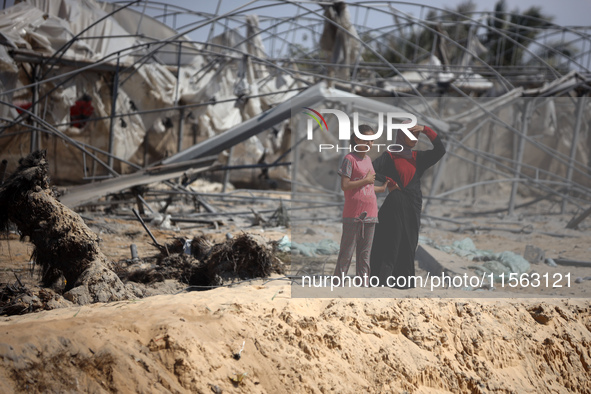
{"x":567,"y":12}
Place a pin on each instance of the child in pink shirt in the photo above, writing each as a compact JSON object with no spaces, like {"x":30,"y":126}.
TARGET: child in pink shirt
{"x":360,"y":213}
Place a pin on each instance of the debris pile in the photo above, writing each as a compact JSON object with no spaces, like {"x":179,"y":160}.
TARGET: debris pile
{"x":179,"y":267}
{"x":73,"y":268}
{"x":207,"y":265}
{"x":18,"y":299}
{"x":240,"y":258}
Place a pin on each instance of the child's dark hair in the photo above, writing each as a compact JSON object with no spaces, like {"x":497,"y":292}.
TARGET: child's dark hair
{"x":363,"y":129}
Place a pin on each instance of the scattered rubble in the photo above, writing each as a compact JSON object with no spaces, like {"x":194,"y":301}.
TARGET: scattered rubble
{"x":72,"y":265}
{"x":205,"y":265}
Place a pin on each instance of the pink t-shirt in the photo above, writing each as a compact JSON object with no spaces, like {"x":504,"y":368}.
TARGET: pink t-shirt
{"x":362,"y":199}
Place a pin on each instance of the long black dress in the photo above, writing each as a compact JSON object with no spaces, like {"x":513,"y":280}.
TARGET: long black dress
{"x":397,"y":233}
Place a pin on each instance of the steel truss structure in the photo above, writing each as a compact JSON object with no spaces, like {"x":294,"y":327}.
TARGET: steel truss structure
{"x":274,"y":54}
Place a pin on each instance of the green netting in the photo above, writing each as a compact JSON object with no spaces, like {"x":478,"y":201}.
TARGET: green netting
{"x":499,"y":264}
{"x":309,"y":249}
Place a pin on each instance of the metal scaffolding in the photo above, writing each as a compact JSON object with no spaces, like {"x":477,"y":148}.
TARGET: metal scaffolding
{"x":217,"y":79}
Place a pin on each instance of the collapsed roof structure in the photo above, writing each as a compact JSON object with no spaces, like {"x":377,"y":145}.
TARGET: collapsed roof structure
{"x":117,"y":88}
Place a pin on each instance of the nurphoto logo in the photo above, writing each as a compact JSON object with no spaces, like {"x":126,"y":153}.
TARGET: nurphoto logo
{"x":392,"y":123}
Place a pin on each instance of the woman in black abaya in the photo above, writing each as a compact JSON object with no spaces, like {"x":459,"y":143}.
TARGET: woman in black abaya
{"x":397,"y":233}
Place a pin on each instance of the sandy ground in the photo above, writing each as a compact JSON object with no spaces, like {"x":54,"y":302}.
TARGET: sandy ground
{"x":187,"y":342}
{"x":400,"y":342}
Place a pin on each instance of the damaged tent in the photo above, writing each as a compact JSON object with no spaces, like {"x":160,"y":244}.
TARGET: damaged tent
{"x":161,"y":88}
{"x":155,"y":93}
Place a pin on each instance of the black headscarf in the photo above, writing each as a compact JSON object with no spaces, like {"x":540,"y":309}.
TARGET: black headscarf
{"x":406,"y":151}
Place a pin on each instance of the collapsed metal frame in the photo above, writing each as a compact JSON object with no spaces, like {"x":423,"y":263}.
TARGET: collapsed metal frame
{"x":309,"y":18}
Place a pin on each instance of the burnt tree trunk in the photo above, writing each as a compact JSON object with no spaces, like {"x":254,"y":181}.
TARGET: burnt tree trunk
{"x":66,"y":250}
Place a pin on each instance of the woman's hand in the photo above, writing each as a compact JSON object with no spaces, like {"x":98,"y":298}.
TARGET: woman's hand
{"x":417,"y":129}
{"x":392,"y":185}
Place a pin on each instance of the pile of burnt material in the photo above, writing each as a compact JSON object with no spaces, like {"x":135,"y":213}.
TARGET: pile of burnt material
{"x":18,"y":298}
{"x":204,"y":265}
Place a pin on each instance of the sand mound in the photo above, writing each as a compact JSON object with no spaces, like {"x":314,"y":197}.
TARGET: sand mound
{"x":188,"y":343}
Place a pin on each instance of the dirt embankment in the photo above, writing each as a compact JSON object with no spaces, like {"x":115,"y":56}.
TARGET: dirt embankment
{"x":188,"y":343}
